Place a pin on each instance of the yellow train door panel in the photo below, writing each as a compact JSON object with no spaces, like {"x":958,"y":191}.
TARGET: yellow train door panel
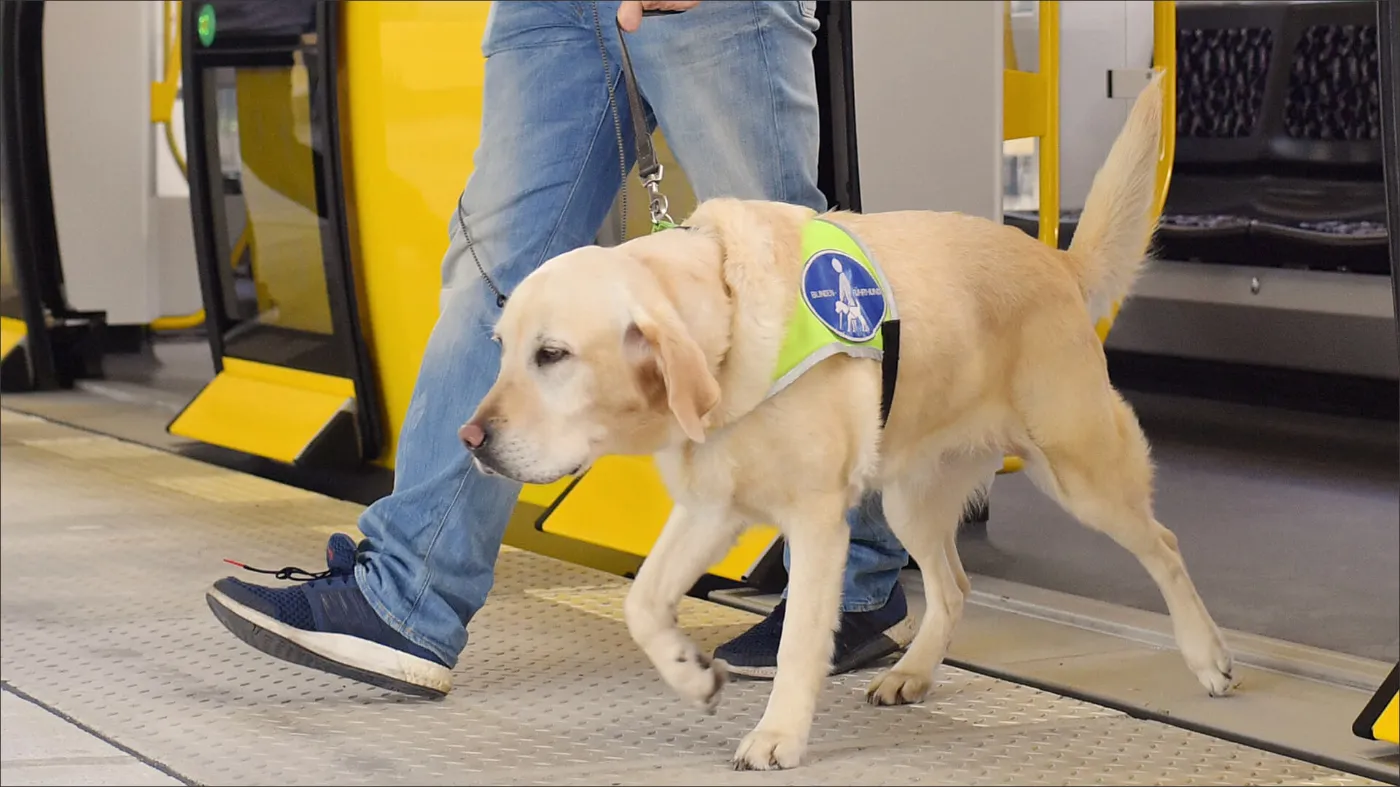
{"x":621,"y":504}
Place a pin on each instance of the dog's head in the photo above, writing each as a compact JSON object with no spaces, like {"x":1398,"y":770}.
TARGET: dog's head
{"x":597,"y":359}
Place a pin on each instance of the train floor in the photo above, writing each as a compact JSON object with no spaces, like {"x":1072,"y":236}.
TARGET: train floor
{"x":115,"y":672}
{"x":1062,"y":672}
{"x":1287,"y":520}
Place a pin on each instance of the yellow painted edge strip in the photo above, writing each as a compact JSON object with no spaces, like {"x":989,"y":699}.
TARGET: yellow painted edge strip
{"x":12,"y":333}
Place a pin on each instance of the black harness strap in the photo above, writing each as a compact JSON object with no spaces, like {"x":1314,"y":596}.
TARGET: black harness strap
{"x":889,"y":369}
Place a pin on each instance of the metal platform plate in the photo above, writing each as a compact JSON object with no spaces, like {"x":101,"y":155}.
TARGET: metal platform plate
{"x":108,"y":548}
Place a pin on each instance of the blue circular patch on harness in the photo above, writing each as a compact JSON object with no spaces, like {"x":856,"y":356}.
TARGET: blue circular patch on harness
{"x":844,"y":295}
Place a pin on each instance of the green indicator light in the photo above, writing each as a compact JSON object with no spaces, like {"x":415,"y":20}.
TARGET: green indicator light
{"x":205,"y":24}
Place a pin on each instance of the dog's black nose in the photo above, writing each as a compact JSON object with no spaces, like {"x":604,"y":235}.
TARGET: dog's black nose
{"x":473,"y":435}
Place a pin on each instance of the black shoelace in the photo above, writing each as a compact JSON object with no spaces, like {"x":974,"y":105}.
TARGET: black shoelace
{"x":290,"y":572}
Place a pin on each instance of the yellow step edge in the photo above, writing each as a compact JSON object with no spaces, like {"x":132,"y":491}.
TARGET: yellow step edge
{"x":12,"y":335}
{"x":1380,"y":719}
{"x":264,"y":410}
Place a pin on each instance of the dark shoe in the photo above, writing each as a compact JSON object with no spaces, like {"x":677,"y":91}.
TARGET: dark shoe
{"x":863,"y":638}
{"x":327,"y":624}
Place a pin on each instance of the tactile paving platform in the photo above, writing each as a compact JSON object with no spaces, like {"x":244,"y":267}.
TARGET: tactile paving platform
{"x":108,"y":548}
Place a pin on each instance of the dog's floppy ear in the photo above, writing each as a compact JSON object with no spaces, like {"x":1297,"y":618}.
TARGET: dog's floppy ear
{"x":691,"y":391}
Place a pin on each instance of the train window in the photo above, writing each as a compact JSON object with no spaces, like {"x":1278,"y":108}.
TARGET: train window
{"x":269,"y":187}
{"x":266,"y":180}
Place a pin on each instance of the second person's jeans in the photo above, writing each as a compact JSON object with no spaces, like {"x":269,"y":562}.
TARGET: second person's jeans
{"x":733,"y":87}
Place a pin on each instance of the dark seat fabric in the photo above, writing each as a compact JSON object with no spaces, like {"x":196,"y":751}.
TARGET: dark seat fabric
{"x":1278,"y":140}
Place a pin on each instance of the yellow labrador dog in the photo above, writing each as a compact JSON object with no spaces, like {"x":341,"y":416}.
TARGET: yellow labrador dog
{"x":667,"y":345}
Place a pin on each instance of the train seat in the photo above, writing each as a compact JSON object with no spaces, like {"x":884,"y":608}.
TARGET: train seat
{"x":1278,"y":160}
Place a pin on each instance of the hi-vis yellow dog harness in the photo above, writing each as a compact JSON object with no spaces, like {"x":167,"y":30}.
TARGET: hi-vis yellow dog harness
{"x":845,"y":306}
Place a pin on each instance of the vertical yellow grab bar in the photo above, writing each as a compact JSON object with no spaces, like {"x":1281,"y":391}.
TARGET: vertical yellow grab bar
{"x":1032,"y":109}
{"x":1049,"y":69}
{"x":1164,"y":57}
{"x":163,"y":95}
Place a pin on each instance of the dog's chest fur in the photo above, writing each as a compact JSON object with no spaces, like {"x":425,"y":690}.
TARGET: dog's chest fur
{"x":820,"y":436}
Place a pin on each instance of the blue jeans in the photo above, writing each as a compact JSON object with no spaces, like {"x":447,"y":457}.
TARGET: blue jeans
{"x":732,"y":85}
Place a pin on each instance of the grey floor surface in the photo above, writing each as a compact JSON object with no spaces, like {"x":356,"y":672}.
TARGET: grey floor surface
{"x":38,"y":747}
{"x":1290,"y":523}
{"x":108,"y":547}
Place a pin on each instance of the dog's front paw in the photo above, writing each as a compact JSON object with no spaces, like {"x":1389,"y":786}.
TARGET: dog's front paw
{"x":767,"y":750}
{"x":695,"y":676}
{"x":893,"y":687}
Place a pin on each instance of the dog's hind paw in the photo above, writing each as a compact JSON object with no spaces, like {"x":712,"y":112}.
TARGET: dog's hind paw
{"x":1218,"y":675}
{"x":892,"y":687}
{"x":1209,"y":658}
{"x":768,"y":750}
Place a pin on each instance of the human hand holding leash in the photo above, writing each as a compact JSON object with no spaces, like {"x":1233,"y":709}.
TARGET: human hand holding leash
{"x":629,"y":14}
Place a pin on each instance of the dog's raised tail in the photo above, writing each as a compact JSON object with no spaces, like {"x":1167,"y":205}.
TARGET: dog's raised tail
{"x":1111,"y":243}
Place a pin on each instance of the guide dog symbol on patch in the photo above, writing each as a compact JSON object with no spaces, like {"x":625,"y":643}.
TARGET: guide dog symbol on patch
{"x":844,"y":295}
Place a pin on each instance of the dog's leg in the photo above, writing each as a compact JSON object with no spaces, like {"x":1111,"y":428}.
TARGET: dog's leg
{"x":923,"y":511}
{"x":819,"y":542}
{"x":1103,"y":476}
{"x":692,"y":541}
{"x":950,"y":547}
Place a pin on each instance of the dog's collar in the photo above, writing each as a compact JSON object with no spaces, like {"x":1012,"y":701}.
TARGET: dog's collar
{"x":845,"y":306}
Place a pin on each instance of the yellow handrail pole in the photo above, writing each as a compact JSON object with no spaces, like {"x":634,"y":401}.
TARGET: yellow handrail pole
{"x":163,"y":112}
{"x":1049,"y":67}
{"x":1164,"y":57}
{"x":1048,"y":80}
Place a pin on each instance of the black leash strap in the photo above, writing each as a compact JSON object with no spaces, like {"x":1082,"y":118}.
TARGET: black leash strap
{"x":648,"y":166}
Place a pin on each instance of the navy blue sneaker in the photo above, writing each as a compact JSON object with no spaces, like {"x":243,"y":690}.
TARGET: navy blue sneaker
{"x":327,"y":624}
{"x":862,"y":638}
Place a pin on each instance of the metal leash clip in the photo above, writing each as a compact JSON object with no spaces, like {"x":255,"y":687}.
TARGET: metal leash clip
{"x":649,"y":168}
{"x":657,"y":203}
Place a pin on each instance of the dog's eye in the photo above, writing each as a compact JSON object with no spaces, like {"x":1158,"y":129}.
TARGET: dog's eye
{"x":550,"y":355}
